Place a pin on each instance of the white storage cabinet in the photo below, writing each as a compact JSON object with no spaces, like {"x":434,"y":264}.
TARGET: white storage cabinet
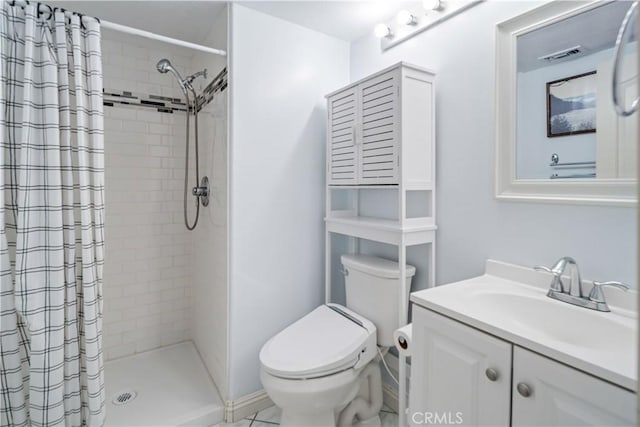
{"x":381,"y":137}
{"x":380,"y":130}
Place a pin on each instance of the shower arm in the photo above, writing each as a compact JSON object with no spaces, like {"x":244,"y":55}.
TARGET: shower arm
{"x":189,"y":79}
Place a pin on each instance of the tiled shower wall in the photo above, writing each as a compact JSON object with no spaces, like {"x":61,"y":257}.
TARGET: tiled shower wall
{"x":148,"y":277}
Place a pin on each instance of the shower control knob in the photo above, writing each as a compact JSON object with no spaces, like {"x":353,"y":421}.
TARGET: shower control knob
{"x":202,"y":191}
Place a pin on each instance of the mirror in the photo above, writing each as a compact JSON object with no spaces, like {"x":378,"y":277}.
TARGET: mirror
{"x":558,"y":135}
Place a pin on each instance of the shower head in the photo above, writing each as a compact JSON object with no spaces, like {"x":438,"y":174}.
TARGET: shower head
{"x":164,"y":65}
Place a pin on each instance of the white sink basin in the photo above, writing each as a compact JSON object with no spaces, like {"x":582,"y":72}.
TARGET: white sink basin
{"x":601,"y":343}
{"x":552,"y":320}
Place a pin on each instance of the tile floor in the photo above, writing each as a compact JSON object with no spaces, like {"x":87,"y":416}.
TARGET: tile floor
{"x":271,"y":417}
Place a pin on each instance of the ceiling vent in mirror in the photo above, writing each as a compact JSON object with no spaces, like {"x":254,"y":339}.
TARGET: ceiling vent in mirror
{"x":561,"y":54}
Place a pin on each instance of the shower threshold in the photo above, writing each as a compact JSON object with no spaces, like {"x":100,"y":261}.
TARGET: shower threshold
{"x":168,"y":386}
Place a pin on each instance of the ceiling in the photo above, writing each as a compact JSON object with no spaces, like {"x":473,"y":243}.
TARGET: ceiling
{"x":594,"y":30}
{"x":346,"y":20}
{"x":191,"y":20}
{"x":185,"y":20}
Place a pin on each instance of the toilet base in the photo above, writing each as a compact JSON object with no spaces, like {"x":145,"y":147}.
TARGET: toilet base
{"x":371,"y":422}
{"x":365,"y":407}
{"x":320,"y":419}
{"x":337,"y":400}
{"x":311,"y":402}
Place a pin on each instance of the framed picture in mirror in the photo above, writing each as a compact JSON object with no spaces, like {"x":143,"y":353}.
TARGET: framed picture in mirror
{"x":571,"y":105}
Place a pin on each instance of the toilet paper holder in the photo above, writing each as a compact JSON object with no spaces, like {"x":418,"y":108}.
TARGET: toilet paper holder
{"x":402,"y":343}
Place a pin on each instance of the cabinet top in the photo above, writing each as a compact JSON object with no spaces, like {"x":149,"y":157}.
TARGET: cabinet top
{"x":510,"y":302}
{"x":400,"y":64}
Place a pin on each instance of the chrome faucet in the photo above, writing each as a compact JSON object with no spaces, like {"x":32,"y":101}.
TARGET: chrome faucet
{"x":574,"y":294}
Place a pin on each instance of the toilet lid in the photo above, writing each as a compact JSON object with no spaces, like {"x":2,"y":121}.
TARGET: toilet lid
{"x":321,"y":343}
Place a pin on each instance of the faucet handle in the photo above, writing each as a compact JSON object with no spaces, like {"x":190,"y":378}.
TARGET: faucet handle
{"x":596,"y":292}
{"x":546,"y":269}
{"x":556,"y":283}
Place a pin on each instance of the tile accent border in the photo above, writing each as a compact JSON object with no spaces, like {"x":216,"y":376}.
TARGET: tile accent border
{"x":164,"y":104}
{"x":217,"y":85}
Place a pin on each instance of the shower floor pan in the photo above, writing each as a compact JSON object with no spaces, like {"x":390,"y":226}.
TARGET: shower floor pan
{"x":165,"y":387}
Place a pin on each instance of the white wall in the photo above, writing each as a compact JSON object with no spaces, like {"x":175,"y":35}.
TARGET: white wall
{"x":147,"y":287}
{"x":280,"y":73}
{"x":209,"y":327}
{"x":473,"y":226}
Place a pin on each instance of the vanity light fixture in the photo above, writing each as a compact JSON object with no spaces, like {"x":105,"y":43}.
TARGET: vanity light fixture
{"x":430,"y":5}
{"x":406,"y":18}
{"x":418,"y":17}
{"x":382,"y":31}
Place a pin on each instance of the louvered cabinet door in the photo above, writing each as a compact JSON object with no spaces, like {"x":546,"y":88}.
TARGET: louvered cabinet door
{"x":342,"y":150}
{"x":378,"y":138}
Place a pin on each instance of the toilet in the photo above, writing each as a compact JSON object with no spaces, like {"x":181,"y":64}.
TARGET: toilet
{"x":323,"y":370}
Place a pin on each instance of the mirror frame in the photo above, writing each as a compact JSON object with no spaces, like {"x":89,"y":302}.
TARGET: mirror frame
{"x":620,"y":192}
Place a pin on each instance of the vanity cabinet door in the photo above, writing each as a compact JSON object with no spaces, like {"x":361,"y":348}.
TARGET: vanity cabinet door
{"x":549,"y":393}
{"x":459,"y":375}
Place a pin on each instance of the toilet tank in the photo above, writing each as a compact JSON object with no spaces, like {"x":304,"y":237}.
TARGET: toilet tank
{"x":373,"y":291}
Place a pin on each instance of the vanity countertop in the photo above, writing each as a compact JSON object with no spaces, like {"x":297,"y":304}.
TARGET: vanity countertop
{"x":510,"y":302}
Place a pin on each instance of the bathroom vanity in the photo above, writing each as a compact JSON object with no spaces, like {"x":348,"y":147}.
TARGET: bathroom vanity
{"x":495,"y":350}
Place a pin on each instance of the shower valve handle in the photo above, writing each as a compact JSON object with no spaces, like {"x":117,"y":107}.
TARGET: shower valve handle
{"x":200,"y":191}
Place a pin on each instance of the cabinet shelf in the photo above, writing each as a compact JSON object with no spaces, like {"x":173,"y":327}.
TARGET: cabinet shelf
{"x":363,"y":187}
{"x":414,"y":231}
{"x":407,"y":186}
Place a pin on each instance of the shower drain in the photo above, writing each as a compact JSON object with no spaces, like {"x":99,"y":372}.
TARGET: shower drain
{"x":123,"y":397}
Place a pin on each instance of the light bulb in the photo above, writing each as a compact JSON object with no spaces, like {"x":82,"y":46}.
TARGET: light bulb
{"x":406,"y":18}
{"x":429,"y":5}
{"x":381,"y":30}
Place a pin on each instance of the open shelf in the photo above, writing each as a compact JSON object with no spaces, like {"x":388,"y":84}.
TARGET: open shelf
{"x":364,"y":187}
{"x":414,"y":231}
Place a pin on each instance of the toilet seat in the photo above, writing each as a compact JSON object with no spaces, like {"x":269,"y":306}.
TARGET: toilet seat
{"x":330,"y":339}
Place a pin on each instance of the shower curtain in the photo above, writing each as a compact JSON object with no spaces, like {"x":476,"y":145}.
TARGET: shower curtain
{"x":51,"y":218}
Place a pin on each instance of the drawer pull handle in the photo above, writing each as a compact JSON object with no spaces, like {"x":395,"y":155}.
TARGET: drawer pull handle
{"x":524,"y":390}
{"x":492,"y":374}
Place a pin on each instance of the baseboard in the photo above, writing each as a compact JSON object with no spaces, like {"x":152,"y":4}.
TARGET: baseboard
{"x":389,"y":388}
{"x":390,"y":396}
{"x":235,"y":410}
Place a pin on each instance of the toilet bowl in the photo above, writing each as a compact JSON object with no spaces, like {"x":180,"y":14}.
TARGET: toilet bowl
{"x":322,"y":370}
{"x":311,"y":369}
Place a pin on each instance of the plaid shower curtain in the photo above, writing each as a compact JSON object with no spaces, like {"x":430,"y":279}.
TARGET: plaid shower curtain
{"x":51,"y":219}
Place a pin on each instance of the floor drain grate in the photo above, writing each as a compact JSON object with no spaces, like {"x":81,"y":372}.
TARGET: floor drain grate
{"x":123,"y":397}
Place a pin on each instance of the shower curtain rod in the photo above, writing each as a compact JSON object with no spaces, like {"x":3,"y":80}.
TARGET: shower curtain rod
{"x":137,"y":32}
{"x":153,"y":36}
